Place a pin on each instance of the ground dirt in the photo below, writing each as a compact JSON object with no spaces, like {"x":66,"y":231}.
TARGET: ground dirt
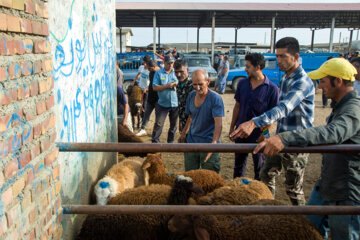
{"x":175,"y":161}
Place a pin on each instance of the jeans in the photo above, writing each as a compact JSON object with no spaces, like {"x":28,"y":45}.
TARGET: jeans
{"x":222,"y":83}
{"x":160,"y":116}
{"x":149,"y":107}
{"x":342,"y":227}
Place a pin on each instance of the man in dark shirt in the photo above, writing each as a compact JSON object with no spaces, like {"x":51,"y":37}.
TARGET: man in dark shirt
{"x":339,"y":182}
{"x":254,"y":96}
{"x":151,"y":99}
{"x":183,"y":89}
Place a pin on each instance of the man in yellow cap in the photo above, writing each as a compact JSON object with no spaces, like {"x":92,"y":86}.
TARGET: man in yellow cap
{"x":339,"y":183}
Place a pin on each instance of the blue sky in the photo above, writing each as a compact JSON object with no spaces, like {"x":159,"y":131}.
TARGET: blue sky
{"x":144,"y":36}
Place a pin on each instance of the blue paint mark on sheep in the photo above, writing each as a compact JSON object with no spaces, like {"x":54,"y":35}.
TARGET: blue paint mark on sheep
{"x":66,"y":210}
{"x":245,"y":181}
{"x":104,"y":185}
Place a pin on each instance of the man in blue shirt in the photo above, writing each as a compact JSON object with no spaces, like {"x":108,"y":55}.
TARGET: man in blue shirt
{"x":164,"y":84}
{"x":295,"y":111}
{"x":254,"y":96}
{"x":205,"y":110}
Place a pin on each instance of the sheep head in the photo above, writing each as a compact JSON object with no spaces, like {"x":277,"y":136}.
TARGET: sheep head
{"x":182,"y":189}
{"x":105,"y":189}
{"x":153,"y":161}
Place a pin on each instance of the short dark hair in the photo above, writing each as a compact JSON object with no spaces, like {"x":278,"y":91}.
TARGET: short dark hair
{"x":346,"y":82}
{"x":147,"y":58}
{"x":256,"y":59}
{"x":180,"y":63}
{"x":356,"y":60}
{"x":151,"y":63}
{"x":292,"y":45}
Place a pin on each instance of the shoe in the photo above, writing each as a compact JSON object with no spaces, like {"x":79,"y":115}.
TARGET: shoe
{"x":141,"y":133}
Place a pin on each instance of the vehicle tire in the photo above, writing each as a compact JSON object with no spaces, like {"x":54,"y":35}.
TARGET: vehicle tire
{"x":235,"y":83}
{"x":126,"y":85}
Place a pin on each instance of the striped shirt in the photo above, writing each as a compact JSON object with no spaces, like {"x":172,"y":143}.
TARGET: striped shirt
{"x":295,"y":110}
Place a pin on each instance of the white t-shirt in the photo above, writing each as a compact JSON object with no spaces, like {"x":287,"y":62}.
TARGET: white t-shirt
{"x":144,"y":77}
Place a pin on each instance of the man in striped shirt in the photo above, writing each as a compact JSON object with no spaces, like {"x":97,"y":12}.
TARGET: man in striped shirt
{"x":295,"y":111}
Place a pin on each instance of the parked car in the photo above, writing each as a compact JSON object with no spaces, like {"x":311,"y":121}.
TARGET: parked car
{"x":129,"y":64}
{"x":309,"y":61}
{"x":195,"y":63}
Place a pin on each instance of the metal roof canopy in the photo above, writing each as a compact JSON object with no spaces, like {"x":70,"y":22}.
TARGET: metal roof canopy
{"x":237,"y":15}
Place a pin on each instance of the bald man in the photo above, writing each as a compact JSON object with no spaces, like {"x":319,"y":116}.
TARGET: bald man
{"x":205,"y":109}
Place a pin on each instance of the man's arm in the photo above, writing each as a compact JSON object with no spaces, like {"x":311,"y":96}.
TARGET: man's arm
{"x":159,"y":88}
{"x":234,"y":118}
{"x":293,"y":98}
{"x":185,"y":130}
{"x":345,"y":126}
{"x":217,"y":130}
{"x":126,"y":113}
{"x":217,"y":134}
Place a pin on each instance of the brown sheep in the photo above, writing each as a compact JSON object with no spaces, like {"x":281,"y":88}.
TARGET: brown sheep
{"x":207,"y":180}
{"x":255,"y":227}
{"x":241,"y":191}
{"x":126,"y":136}
{"x":135,"y":96}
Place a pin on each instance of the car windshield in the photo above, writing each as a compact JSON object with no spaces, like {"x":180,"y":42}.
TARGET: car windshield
{"x":198,"y":62}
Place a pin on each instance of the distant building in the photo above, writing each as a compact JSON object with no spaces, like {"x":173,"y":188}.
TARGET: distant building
{"x":125,"y":39}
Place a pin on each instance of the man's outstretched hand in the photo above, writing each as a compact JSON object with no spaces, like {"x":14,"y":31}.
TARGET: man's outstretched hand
{"x":271,"y":146}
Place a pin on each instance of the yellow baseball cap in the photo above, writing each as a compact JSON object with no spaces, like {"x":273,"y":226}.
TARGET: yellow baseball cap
{"x":336,"y":67}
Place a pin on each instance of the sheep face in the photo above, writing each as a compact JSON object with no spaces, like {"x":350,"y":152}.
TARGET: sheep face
{"x":153,"y":160}
{"x":105,"y":189}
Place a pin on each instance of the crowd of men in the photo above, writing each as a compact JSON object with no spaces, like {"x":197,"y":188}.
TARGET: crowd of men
{"x":197,"y":111}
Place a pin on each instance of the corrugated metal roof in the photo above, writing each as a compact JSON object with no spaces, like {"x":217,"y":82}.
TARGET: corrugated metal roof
{"x":237,"y":6}
{"x":237,"y":15}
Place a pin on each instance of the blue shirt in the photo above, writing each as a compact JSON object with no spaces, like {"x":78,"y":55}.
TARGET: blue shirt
{"x":203,"y":124}
{"x":121,"y":100}
{"x":254,"y":102}
{"x":295,"y":110}
{"x":167,"y":97}
{"x":357,"y":86}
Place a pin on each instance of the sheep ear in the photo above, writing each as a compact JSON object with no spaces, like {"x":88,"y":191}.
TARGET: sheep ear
{"x":201,"y":233}
{"x":146,"y":165}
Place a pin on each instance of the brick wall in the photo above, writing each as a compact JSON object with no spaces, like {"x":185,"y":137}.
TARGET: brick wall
{"x":30,"y":204}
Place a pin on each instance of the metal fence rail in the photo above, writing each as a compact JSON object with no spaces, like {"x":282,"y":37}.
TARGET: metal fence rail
{"x":211,"y":210}
{"x":199,"y":147}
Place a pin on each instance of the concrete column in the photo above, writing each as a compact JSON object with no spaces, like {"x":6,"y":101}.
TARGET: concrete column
{"x":120,"y":40}
{"x":312,"y":39}
{"x":332,"y":34}
{"x":236,"y":30}
{"x":272,"y":49}
{"x":159,"y":37}
{"x":212,"y":39}
{"x":350,"y":40}
{"x":154,"y":33}
{"x":197,"y":39}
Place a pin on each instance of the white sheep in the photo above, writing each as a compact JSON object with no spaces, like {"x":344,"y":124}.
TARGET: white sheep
{"x":123,"y":175}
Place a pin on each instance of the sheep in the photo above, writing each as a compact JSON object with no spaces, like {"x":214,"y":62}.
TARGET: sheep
{"x":125,"y":135}
{"x":251,"y":227}
{"x":255,"y":227}
{"x":123,"y":175}
{"x":135,"y":96}
{"x":241,"y":191}
{"x":207,"y":180}
{"x":139,"y":226}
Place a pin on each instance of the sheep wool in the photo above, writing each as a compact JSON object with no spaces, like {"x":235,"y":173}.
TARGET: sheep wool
{"x":124,"y":175}
{"x":242,"y":191}
{"x":207,"y":180}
